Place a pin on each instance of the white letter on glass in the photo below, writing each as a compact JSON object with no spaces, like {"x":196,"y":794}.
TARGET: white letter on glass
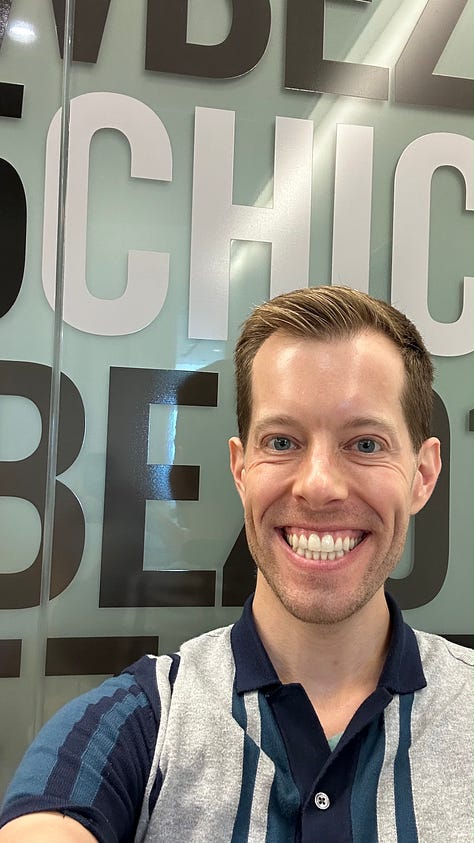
{"x":352,"y":207}
{"x":411,"y":237}
{"x":148,"y":272}
{"x":216,"y":220}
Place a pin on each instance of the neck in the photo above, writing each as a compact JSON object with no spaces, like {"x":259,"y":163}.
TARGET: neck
{"x":338,"y":664}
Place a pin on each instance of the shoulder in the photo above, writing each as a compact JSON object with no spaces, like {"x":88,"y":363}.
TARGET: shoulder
{"x":210,"y":653}
{"x":109,"y":704}
{"x":200,"y":672}
{"x":118,"y":697}
{"x":208,"y":642}
{"x":448,"y":670}
{"x":436,"y":650}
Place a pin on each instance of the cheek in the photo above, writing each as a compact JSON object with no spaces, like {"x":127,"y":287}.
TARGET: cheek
{"x":261,"y":490}
{"x":389,"y":494}
{"x":259,"y":476}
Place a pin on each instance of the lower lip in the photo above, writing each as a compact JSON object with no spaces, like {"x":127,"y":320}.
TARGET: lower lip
{"x":322,"y":566}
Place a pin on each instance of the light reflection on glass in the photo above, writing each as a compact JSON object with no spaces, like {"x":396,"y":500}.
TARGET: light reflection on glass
{"x":22,"y":31}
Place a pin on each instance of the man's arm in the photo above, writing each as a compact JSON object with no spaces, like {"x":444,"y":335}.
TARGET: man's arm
{"x":115,"y":728}
{"x":45,"y":828}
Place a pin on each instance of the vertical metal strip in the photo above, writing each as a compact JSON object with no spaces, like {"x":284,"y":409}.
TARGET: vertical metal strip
{"x":50,"y":496}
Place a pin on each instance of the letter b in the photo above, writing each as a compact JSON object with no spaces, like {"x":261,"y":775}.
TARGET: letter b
{"x":26,"y":479}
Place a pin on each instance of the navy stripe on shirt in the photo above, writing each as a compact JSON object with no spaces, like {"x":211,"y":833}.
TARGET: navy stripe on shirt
{"x":404,"y":808}
{"x":366,"y":781}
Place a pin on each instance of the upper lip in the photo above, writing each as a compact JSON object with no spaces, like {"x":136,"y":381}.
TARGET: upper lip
{"x":336,"y":528}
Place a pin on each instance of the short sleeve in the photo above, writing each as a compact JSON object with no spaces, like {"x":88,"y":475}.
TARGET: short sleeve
{"x":92,"y":760}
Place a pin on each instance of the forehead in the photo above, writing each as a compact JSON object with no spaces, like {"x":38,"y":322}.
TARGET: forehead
{"x":361,"y":372}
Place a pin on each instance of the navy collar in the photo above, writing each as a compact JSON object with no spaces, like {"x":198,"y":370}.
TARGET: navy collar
{"x":402,"y":672}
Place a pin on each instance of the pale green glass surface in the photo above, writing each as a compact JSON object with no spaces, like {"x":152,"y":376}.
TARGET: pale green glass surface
{"x":140,"y":214}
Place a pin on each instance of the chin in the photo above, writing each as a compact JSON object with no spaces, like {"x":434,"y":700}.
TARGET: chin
{"x":324,"y":608}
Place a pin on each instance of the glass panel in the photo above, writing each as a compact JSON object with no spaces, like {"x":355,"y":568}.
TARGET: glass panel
{"x":167,"y":148}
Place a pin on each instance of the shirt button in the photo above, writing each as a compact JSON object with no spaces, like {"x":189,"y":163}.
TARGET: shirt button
{"x":321,"y":800}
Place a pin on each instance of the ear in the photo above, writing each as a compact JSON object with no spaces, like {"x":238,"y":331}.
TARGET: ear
{"x":237,"y":465}
{"x":429,"y":467}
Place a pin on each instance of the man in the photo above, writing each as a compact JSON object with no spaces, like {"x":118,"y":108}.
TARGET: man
{"x":319,"y":716}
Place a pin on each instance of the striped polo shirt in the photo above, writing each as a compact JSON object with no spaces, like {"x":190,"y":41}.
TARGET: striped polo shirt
{"x":207,"y":746}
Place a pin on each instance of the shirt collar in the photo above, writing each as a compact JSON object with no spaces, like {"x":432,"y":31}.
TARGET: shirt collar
{"x":402,"y":672}
{"x":253,"y":668}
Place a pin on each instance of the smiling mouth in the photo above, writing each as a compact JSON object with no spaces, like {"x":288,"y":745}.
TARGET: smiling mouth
{"x":324,"y":546}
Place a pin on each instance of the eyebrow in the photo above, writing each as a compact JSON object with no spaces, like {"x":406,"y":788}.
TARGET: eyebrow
{"x":375,"y":422}
{"x":274,"y":421}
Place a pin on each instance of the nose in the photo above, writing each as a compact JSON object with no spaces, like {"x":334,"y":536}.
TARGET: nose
{"x":320,"y":478}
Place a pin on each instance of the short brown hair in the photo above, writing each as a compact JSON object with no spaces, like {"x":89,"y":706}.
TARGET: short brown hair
{"x":333,"y":313}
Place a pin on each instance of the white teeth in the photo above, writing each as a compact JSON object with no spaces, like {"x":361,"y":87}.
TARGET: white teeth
{"x":316,"y":548}
{"x":327,"y":543}
{"x":314,"y":543}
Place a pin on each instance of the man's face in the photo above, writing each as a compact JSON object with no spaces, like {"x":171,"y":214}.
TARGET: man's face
{"x":328,"y":477}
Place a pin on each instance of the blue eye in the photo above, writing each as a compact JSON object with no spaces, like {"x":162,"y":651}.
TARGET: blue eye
{"x":367,"y":446}
{"x":280,"y":443}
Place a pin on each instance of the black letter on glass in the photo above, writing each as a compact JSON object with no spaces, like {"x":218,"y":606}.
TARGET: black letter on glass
{"x":26,"y":479}
{"x":414,"y":79}
{"x":306,"y":68}
{"x":11,"y":99}
{"x":130,"y":481}
{"x":168,"y":51}
{"x":89,"y":23}
{"x":239,"y":573}
{"x":13,"y":234}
